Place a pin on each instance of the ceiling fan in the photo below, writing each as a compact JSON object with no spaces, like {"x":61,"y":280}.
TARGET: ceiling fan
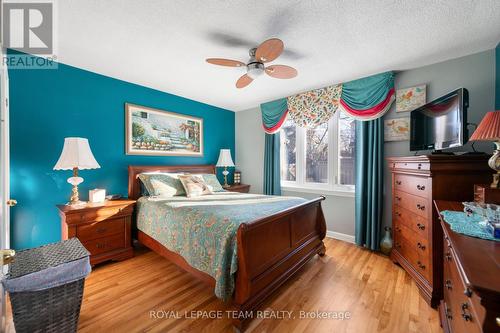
{"x":264,"y":53}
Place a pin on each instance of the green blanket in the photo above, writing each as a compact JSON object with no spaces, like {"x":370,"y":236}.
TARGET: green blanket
{"x":203,"y":229}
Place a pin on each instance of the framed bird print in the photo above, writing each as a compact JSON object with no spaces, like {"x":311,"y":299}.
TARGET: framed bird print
{"x":409,"y":99}
{"x":397,"y":129}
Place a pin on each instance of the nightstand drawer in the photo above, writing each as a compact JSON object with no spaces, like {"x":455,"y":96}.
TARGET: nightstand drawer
{"x":100,"y":229}
{"x":105,"y":244}
{"x":99,"y":214}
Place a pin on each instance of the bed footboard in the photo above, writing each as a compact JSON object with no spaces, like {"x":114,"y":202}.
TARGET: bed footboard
{"x":272,"y":249}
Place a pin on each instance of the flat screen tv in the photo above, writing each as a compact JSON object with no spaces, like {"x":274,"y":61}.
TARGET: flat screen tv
{"x":441,"y":123}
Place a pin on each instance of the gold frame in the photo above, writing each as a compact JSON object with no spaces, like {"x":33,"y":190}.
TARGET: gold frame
{"x":128,"y":112}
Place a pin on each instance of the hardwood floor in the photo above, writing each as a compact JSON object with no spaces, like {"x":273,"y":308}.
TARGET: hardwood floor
{"x":378,"y":295}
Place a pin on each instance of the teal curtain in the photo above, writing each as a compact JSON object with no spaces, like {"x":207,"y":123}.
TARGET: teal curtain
{"x":272,"y":181}
{"x":365,"y":93}
{"x":273,"y":115}
{"x":369,"y":182}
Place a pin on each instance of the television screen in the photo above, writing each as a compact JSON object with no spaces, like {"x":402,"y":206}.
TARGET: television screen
{"x":441,"y":123}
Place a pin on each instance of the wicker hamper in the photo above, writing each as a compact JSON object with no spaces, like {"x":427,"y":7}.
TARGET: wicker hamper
{"x":45,"y":286}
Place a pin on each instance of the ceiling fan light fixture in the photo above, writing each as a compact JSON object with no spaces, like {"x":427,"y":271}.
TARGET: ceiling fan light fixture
{"x":255,"y":69}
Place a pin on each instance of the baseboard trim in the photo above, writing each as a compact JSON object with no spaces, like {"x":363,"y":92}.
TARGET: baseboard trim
{"x":340,"y":236}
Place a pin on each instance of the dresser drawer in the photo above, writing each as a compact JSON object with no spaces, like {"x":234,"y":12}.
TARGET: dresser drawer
{"x":415,"y":222}
{"x":418,"y":260}
{"x":465,"y":318}
{"x":105,"y":244}
{"x":413,"y":184}
{"x":417,"y":244}
{"x":413,"y":203}
{"x":100,"y":229}
{"x":414,"y":166}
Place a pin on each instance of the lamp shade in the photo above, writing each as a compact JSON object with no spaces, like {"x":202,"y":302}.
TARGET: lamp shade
{"x":76,"y":153}
{"x":489,"y":128}
{"x":225,"y":159}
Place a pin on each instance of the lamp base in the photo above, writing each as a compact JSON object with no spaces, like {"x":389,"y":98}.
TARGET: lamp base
{"x":494,"y":163}
{"x":74,"y":200}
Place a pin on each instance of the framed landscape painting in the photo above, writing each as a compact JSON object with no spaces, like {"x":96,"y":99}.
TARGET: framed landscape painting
{"x":156,"y":132}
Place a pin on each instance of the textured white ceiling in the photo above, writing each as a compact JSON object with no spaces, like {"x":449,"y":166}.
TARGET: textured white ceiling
{"x":163,"y":44}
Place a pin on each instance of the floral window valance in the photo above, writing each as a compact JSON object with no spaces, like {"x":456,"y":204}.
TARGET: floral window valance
{"x":363,"y":99}
{"x":314,"y":107}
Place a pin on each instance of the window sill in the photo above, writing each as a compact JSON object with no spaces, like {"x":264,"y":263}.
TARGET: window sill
{"x":320,"y":191}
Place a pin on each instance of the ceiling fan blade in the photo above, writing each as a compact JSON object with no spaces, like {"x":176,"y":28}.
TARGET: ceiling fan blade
{"x":269,"y":50}
{"x":225,"y":62}
{"x":281,"y":71}
{"x":243,"y":81}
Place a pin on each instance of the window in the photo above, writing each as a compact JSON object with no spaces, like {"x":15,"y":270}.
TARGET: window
{"x":320,"y":159}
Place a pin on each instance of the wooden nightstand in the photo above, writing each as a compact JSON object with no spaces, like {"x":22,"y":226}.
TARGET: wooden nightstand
{"x":103,"y":228}
{"x":242,"y":188}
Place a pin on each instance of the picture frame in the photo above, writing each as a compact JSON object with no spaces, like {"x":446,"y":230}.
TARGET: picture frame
{"x":150,"y":131}
{"x":397,"y":129}
{"x":409,"y":99}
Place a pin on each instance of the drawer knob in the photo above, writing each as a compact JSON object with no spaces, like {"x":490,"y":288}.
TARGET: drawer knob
{"x":421,"y":187}
{"x":447,"y":284}
{"x":398,"y":182}
{"x":468,"y":292}
{"x":420,"y":265}
{"x":466,"y":316}
{"x":420,"y":246}
{"x":421,"y":207}
{"x":421,"y":226}
{"x":448,"y":314}
{"x":448,"y":256}
{"x":100,"y":245}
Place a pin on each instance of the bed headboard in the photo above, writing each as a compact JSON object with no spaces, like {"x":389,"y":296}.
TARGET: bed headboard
{"x":134,"y":185}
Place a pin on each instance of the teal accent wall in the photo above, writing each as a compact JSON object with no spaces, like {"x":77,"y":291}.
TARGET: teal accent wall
{"x":497,"y":78}
{"x":48,"y":105}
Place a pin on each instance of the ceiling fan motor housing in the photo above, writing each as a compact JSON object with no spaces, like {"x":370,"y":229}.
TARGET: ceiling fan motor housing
{"x":255,"y":69}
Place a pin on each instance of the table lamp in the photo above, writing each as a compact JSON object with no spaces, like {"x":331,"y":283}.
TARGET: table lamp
{"x":225,"y":161}
{"x":76,"y":155}
{"x":489,"y":130}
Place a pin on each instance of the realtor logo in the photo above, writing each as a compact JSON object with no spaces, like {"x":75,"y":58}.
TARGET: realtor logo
{"x":28,"y":26}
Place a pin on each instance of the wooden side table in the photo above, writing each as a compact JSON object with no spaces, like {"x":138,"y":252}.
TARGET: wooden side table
{"x":103,"y":228}
{"x":242,"y":188}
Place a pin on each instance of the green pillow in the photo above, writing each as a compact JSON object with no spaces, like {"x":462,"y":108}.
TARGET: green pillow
{"x":211,"y":180}
{"x":162,"y":184}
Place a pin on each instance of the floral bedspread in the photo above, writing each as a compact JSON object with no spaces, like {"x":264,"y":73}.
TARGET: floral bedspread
{"x":203,"y":229}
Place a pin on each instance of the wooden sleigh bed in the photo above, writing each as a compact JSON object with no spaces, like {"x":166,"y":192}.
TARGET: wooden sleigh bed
{"x":270,"y":250}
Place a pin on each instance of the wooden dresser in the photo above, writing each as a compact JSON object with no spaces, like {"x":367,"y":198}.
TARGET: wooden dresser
{"x":471,"y":280}
{"x":416,"y":182}
{"x":103,"y":228}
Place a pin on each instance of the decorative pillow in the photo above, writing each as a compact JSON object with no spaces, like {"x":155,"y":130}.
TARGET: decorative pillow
{"x":212,"y":182}
{"x":194,"y":185}
{"x":162,"y":184}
